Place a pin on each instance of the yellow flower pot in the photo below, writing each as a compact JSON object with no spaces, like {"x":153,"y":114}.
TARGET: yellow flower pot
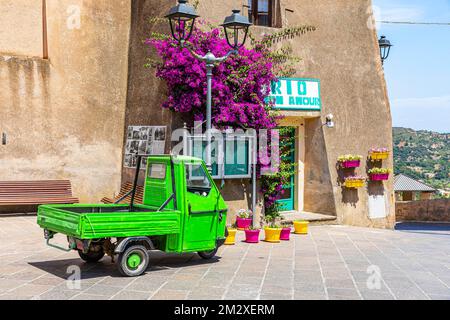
{"x":301,"y":227}
{"x":379,"y":155}
{"x":354,"y":184}
{"x":273,"y":234}
{"x":231,"y":239}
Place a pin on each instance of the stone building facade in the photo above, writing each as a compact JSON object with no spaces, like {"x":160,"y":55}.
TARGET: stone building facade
{"x":65,"y":115}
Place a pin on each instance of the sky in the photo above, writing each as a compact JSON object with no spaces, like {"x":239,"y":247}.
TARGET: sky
{"x":418,"y":68}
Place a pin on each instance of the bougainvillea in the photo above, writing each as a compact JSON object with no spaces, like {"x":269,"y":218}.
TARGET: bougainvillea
{"x":239,"y":86}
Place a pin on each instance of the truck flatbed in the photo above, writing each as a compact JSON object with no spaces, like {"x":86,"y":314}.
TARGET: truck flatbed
{"x":108,"y":221}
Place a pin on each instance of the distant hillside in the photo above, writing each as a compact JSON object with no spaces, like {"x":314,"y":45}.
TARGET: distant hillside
{"x":423,"y":155}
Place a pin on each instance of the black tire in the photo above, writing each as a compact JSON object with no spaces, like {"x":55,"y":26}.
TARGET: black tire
{"x":91,"y":256}
{"x":208,"y":255}
{"x":123,"y":264}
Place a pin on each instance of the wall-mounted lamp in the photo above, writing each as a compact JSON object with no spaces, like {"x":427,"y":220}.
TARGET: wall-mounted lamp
{"x":385,"y":48}
{"x":329,"y":121}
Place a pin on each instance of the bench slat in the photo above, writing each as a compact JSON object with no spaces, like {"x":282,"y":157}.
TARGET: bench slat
{"x":16,"y":193}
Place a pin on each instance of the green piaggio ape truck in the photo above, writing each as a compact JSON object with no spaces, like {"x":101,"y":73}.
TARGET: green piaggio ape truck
{"x":182,"y":211}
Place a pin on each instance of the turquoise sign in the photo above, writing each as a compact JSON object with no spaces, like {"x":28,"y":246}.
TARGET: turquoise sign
{"x":296,"y":94}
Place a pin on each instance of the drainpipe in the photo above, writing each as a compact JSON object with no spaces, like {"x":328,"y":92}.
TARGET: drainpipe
{"x":255,"y":157}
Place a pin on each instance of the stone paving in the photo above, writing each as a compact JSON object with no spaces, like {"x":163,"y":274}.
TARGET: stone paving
{"x":332,"y":262}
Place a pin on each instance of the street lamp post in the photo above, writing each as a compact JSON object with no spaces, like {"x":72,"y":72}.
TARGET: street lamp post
{"x":182,"y":20}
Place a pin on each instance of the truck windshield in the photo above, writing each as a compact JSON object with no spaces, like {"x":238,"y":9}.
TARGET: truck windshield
{"x":197,"y":180}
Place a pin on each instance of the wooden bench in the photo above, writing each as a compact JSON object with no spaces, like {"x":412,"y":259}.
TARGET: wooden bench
{"x":32,"y":193}
{"x":125,"y":189}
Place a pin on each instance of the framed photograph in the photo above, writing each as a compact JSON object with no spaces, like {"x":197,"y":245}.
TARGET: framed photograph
{"x":144,"y":140}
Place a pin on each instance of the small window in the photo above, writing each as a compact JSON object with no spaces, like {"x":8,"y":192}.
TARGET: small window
{"x":157,"y":171}
{"x":199,"y":148}
{"x":197,"y":180}
{"x":260,"y":12}
{"x":237,"y":157}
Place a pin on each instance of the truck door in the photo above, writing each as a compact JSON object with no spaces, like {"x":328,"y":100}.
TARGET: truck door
{"x":203,"y":217}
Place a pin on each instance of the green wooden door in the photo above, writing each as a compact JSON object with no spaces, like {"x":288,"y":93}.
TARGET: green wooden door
{"x":287,"y":201}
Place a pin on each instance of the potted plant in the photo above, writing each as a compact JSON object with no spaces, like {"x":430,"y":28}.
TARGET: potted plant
{"x":285,"y":232}
{"x":272,"y":230}
{"x":379,"y":174}
{"x":379,"y":154}
{"x":301,"y":227}
{"x":243,"y":219}
{"x":350,"y":161}
{"x":252,"y":234}
{"x":354,"y":182}
{"x":231,"y":238}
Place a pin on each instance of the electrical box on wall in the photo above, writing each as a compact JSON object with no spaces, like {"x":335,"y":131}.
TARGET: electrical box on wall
{"x":377,"y":207}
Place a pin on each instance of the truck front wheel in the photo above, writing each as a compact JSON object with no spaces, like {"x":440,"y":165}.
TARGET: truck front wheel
{"x":207,"y":255}
{"x":134,"y":261}
{"x":91,"y":256}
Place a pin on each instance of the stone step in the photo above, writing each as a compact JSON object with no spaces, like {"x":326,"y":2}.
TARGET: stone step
{"x":313,"y":218}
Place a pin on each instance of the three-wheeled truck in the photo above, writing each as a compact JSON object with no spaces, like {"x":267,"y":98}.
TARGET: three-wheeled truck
{"x":182,"y":211}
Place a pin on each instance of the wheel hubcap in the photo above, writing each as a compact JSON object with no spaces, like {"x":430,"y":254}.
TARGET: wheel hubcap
{"x":134,"y":260}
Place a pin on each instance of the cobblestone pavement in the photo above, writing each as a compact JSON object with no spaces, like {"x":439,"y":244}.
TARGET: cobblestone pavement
{"x":332,"y":262}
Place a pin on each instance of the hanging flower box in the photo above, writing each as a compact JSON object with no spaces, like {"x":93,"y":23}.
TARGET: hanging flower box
{"x":350,"y":161}
{"x":379,"y":177}
{"x":379,"y":154}
{"x":379,"y":174}
{"x":354,"y":182}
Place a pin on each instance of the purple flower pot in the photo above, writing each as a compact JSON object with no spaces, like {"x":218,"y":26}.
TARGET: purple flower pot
{"x":252,"y":236}
{"x":243,"y":224}
{"x":379,"y":177}
{"x":285,"y":234}
{"x":351,"y":164}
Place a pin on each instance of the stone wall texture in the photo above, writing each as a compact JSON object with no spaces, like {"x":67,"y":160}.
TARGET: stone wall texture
{"x":437,"y":210}
{"x":64,"y":117}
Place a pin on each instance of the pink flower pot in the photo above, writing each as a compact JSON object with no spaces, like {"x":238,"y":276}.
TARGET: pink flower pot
{"x":285,"y":234}
{"x":379,"y":177}
{"x":243,"y":224}
{"x":252,"y":236}
{"x":351,"y":164}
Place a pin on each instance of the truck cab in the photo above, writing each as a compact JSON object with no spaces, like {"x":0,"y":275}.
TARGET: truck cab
{"x":182,"y":211}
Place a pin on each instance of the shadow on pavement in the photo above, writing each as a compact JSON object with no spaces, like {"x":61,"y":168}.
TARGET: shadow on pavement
{"x":442,"y":229}
{"x":158,"y":262}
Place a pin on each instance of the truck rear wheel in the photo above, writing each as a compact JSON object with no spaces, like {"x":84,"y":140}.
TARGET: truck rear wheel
{"x":91,"y":256}
{"x":134,"y":261}
{"x":208,"y":255}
